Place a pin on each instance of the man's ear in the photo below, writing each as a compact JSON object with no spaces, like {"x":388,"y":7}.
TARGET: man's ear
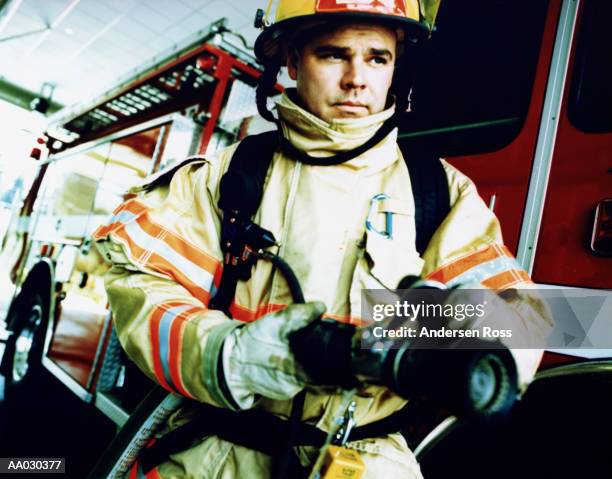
{"x":292,"y":60}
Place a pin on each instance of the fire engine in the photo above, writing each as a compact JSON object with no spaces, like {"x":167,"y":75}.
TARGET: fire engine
{"x":520,"y":103}
{"x":199,"y":99}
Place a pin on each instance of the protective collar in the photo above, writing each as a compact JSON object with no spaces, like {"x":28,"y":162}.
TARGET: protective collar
{"x":324,"y":142}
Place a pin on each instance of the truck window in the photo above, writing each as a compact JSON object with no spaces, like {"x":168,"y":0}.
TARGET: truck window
{"x":130,"y":160}
{"x":591,"y":84}
{"x":67,"y":196}
{"x":473,"y":80}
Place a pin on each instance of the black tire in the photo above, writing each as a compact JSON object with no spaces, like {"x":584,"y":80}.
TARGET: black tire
{"x":23,"y":370}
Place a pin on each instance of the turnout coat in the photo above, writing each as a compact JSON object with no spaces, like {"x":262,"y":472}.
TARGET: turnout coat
{"x":166,"y":263}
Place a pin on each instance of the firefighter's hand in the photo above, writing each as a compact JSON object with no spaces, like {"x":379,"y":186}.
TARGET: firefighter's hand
{"x":257,"y":359}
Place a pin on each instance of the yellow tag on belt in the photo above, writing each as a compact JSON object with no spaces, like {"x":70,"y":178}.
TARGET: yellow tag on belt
{"x":342,"y":463}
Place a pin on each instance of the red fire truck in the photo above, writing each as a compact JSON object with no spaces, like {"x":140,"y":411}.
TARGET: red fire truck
{"x":516,"y":94}
{"x":199,"y":99}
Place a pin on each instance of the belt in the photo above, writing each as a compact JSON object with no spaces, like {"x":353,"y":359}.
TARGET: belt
{"x":258,"y":430}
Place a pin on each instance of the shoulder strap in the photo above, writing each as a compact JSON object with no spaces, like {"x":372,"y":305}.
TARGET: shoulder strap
{"x":242,"y":184}
{"x":430,"y":191}
{"x":241,"y":192}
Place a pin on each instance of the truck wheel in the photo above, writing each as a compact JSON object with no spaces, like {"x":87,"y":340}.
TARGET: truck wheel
{"x":24,"y":350}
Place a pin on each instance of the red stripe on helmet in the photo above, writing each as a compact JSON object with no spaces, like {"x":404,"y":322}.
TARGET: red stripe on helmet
{"x":381,"y":7}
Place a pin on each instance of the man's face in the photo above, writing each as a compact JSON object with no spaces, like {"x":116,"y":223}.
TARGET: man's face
{"x":346,"y":73}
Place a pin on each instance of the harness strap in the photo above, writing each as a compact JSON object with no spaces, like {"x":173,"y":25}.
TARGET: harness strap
{"x":430,"y":192}
{"x":241,"y":192}
{"x":244,"y":428}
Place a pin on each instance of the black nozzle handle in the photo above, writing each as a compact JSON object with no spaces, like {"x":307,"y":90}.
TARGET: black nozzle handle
{"x":323,"y":349}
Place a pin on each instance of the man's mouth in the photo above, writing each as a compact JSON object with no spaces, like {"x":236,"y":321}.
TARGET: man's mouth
{"x":352,"y":107}
{"x":355,"y":104}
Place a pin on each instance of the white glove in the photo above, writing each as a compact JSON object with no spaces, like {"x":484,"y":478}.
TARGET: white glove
{"x":257,"y":359}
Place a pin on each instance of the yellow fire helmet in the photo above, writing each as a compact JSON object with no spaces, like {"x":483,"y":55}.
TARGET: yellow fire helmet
{"x":414,"y":17}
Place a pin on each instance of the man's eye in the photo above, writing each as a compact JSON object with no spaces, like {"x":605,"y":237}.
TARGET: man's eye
{"x":379,"y":60}
{"x":333,"y":56}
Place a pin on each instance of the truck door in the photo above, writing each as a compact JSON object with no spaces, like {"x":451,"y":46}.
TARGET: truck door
{"x":478,"y":96}
{"x":581,"y":169}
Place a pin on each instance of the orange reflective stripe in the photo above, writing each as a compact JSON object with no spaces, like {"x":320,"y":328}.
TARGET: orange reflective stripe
{"x":153,"y":474}
{"x":242,"y":313}
{"x":507,"y":279}
{"x":137,"y":473}
{"x":176,"y":340}
{"x":493,"y":267}
{"x":178,"y":244}
{"x":164,"y":251}
{"x":158,"y":263}
{"x":356,"y":320}
{"x":134,"y":207}
{"x":447,"y":272}
{"x":154,"y":321}
{"x":167,"y":322}
{"x":134,"y":471}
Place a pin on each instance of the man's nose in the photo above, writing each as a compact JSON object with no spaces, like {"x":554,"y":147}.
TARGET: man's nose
{"x":354,"y":76}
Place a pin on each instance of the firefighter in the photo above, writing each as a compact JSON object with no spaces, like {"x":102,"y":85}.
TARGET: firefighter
{"x":166,"y":255}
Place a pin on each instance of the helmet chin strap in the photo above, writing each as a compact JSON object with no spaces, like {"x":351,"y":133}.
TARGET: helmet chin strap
{"x":265,"y":87}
